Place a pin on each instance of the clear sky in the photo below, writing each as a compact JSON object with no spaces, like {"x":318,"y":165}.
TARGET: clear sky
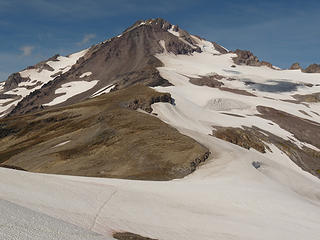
{"x":281,"y":31}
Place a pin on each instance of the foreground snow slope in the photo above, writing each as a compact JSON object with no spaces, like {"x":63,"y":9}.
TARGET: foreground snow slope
{"x":21,"y":223}
{"x":225,"y":199}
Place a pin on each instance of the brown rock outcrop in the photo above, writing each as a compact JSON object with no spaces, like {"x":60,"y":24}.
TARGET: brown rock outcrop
{"x":209,"y":81}
{"x":245,"y":138}
{"x":295,"y":66}
{"x":313,"y":68}
{"x":245,"y":57}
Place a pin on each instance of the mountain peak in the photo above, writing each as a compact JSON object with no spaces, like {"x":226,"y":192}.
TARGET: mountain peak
{"x":130,"y":59}
{"x":154,"y":22}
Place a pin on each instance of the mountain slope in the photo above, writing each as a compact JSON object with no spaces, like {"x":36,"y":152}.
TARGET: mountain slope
{"x":20,"y":85}
{"x":213,"y":95}
{"x":119,"y":62}
{"x":101,"y":137}
{"x":225,"y":94}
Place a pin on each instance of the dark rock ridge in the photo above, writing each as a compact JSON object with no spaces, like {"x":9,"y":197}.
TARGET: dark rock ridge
{"x":129,"y":236}
{"x":43,"y":65}
{"x":247,"y":58}
{"x":199,"y":160}
{"x":124,"y":61}
{"x":219,"y":48}
{"x":6,"y":96}
{"x":313,"y":68}
{"x":13,"y":81}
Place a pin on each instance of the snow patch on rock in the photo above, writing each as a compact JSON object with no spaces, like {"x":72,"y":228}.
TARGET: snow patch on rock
{"x":71,"y":89}
{"x":104,"y":90}
{"x":86,"y":74}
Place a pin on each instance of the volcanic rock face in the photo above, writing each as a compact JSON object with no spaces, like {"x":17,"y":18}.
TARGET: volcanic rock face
{"x":122,"y":61}
{"x":13,"y":81}
{"x":313,"y":68}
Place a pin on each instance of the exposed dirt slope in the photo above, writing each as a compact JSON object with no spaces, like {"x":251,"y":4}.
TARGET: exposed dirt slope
{"x":101,"y":137}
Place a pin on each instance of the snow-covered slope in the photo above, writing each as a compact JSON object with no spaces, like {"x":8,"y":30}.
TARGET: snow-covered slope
{"x":23,"y":224}
{"x":225,"y":199}
{"x":244,"y":89}
{"x":204,"y":105}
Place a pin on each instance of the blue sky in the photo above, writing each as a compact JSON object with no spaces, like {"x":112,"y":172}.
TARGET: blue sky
{"x":281,"y":32}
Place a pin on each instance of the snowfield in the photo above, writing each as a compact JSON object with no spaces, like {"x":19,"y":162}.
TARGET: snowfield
{"x":21,"y":223}
{"x":227,"y":198}
{"x":199,"y":108}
